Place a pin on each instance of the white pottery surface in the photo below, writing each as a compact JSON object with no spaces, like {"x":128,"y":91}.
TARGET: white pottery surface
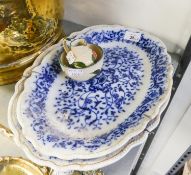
{"x":81,"y":165}
{"x":80,"y":137}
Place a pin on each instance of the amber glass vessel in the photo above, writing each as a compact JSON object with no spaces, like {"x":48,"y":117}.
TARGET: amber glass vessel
{"x":27,"y":27}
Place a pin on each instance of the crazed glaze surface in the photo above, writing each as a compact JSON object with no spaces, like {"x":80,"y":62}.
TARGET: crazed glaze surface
{"x":102,"y":113}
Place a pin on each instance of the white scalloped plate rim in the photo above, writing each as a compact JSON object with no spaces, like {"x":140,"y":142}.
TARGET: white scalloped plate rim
{"x":75,"y":166}
{"x":71,"y":166}
{"x":152,"y":113}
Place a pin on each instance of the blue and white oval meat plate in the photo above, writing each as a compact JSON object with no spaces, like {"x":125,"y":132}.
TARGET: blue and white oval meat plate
{"x":61,"y":164}
{"x":90,"y":119}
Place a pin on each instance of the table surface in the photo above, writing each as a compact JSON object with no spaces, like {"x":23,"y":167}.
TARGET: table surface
{"x":8,"y":147}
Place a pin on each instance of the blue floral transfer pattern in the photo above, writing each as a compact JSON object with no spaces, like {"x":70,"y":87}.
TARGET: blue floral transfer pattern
{"x":101,"y":99}
{"x":118,"y":83}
